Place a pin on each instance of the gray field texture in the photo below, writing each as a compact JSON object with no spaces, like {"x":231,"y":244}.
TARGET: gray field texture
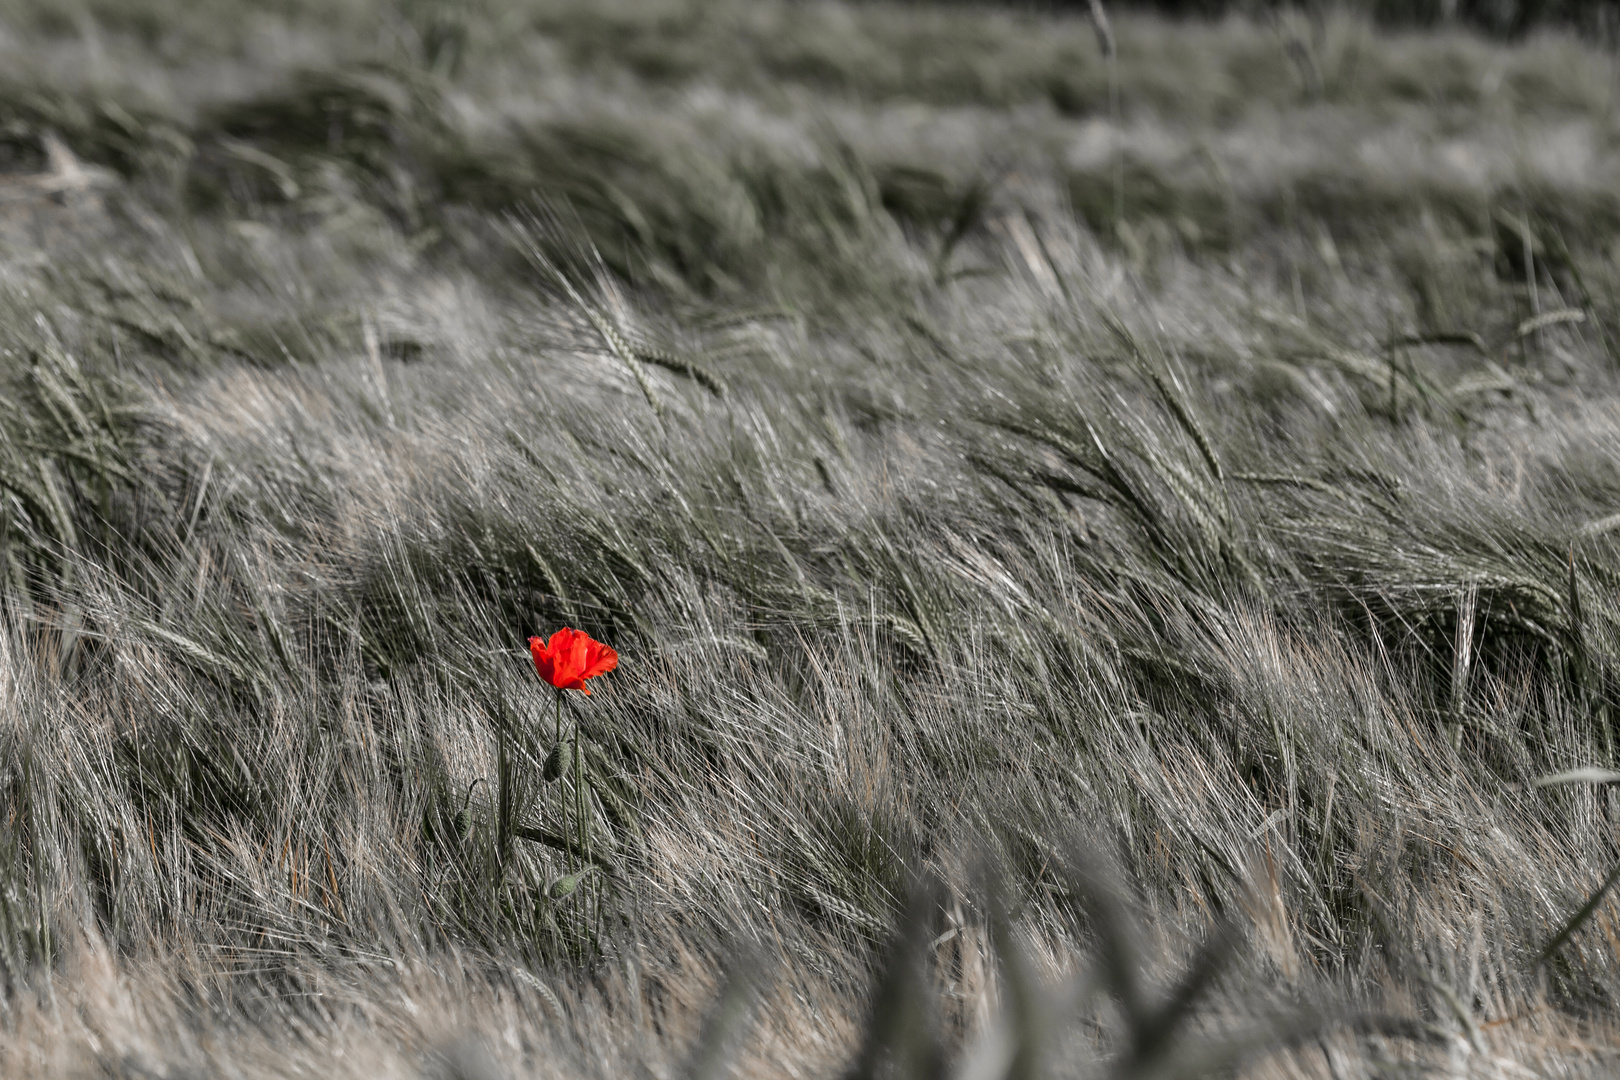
{"x":1113,"y":542}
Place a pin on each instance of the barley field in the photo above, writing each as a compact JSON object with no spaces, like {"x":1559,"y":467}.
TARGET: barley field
{"x":1111,"y":535}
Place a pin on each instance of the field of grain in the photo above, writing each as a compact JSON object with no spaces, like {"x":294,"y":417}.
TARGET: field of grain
{"x":1113,"y":543}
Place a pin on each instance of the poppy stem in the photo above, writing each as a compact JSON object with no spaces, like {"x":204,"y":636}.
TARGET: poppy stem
{"x":579,"y":803}
{"x":562,"y":796}
{"x":503,"y":797}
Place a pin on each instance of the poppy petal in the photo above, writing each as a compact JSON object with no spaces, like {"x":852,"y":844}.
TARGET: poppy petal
{"x":542,"y":658}
{"x":601,"y":662}
{"x":570,"y":657}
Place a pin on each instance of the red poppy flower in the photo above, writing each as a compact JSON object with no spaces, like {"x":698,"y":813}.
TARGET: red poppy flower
{"x":571,"y":657}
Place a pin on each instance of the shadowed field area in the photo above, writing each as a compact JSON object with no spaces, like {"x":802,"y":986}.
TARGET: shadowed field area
{"x":1113,"y":543}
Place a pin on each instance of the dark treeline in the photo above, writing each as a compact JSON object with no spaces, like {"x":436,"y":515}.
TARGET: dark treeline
{"x":1498,"y":17}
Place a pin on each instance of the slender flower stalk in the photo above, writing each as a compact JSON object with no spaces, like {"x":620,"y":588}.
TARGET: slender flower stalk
{"x":579,"y":807}
{"x":562,"y":797}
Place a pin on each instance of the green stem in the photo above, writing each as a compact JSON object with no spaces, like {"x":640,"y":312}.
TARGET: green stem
{"x":579,"y":799}
{"x":562,"y":796}
{"x":503,"y":795}
{"x":585,"y":837}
